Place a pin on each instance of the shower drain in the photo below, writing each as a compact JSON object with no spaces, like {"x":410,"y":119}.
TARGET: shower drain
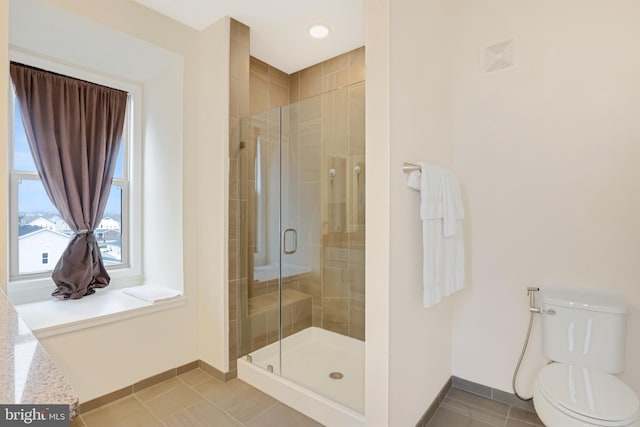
{"x":336,"y":375}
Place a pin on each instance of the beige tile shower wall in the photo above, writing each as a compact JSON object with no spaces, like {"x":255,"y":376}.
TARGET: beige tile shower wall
{"x":331,"y":126}
{"x":238,"y":108}
{"x":269,"y":87}
{"x":305,"y":198}
{"x":332,"y":74}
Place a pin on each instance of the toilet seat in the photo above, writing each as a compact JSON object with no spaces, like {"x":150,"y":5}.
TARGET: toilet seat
{"x":587,"y":395}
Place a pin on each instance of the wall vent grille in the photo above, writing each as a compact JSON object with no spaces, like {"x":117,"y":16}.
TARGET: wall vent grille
{"x":499,"y":56}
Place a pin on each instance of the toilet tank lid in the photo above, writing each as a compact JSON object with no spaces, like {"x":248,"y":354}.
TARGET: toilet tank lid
{"x":584,"y":299}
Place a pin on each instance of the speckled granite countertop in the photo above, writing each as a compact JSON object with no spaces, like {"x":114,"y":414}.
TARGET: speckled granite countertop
{"x":29,"y":375}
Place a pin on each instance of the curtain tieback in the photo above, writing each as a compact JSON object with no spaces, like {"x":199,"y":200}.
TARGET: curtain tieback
{"x":91,"y":238}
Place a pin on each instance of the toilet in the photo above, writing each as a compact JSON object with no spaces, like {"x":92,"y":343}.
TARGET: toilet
{"x":583,"y":333}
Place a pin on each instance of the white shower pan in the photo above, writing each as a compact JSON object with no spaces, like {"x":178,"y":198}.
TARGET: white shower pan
{"x":322,"y":375}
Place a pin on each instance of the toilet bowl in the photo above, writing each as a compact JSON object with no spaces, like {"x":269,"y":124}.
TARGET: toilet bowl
{"x":583,"y":333}
{"x":568,"y":396}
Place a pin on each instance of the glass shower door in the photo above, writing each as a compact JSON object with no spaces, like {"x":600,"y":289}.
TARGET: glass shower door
{"x":322,"y":249}
{"x":301,"y":243}
{"x":260,"y":181}
{"x":280,"y":181}
{"x":302,"y":180}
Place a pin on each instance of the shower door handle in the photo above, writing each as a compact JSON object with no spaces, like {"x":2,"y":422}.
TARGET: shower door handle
{"x":284,"y":241}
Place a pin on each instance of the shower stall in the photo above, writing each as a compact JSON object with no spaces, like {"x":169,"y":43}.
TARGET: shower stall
{"x":302,"y":225}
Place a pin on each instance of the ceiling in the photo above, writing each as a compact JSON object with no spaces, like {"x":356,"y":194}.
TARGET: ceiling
{"x":279,"y":28}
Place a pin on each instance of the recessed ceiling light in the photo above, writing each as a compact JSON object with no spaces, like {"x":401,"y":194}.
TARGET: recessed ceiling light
{"x":319,"y":31}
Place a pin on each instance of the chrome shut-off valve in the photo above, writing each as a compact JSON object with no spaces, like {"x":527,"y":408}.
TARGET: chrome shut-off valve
{"x":532,"y":291}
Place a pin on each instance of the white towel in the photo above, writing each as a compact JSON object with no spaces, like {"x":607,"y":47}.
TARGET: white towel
{"x":152,"y":293}
{"x":441,"y":213}
{"x":429,"y":182}
{"x":451,"y":202}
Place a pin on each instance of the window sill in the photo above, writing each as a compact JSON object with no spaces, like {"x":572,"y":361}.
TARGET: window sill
{"x":26,"y":291}
{"x":55,"y":317}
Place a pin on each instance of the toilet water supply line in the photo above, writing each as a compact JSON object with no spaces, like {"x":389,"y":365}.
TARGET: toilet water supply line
{"x":533,"y":309}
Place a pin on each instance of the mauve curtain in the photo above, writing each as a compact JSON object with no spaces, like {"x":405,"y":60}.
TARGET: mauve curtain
{"x":74,"y":129}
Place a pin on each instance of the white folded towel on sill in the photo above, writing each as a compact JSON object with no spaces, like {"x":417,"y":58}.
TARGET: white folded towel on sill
{"x":152,"y":293}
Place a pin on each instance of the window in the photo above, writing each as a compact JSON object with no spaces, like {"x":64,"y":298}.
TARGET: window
{"x":260,"y":253}
{"x":37,"y":227}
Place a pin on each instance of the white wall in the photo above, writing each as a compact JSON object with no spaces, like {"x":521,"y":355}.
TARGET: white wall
{"x":408,"y":119}
{"x":546,"y":156}
{"x":162,"y":235}
{"x":212,"y":177}
{"x":377,"y":194}
{"x":102,"y":359}
{"x":420,"y":339}
{"x":547,"y":153}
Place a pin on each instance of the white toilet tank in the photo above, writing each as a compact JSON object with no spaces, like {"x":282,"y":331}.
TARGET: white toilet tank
{"x":587,"y":329}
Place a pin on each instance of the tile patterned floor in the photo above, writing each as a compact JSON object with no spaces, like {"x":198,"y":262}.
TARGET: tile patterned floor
{"x":195,"y":399}
{"x":462,"y":409}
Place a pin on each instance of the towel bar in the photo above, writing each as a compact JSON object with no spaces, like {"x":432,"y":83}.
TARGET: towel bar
{"x":410,"y":167}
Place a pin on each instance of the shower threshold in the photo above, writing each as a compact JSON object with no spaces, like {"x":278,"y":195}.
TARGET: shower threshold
{"x":322,"y":375}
